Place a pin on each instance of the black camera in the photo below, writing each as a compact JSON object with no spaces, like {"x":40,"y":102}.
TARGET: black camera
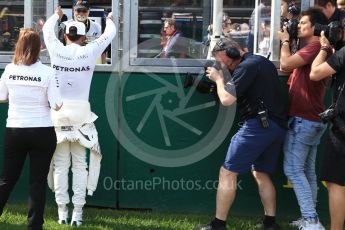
{"x":331,"y":115}
{"x":328,"y":115}
{"x":291,"y":24}
{"x":204,"y":85}
{"x":291,"y":27}
{"x":333,"y":31}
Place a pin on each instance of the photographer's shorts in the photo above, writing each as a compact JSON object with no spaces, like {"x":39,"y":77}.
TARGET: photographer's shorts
{"x":255,"y":148}
{"x":333,"y":168}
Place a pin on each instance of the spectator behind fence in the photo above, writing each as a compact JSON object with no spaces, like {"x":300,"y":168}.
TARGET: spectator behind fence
{"x":227,"y":25}
{"x":333,"y":168}
{"x":175,"y":45}
{"x":264,"y":44}
{"x":239,"y":33}
{"x":39,"y":25}
{"x":264,"y":10}
{"x":74,"y":124}
{"x":305,"y":126}
{"x":234,"y":31}
{"x":31,"y":88}
{"x":256,"y":146}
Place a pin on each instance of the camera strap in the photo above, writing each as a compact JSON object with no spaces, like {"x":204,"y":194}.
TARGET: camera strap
{"x":339,"y":95}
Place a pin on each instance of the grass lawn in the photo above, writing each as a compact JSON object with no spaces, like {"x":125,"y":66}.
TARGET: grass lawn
{"x":14,"y":218}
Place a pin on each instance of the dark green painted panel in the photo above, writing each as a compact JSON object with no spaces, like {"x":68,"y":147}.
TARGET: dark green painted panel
{"x":109,"y":146}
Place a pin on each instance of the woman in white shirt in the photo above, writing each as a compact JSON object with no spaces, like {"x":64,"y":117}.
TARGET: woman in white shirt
{"x":31,"y":89}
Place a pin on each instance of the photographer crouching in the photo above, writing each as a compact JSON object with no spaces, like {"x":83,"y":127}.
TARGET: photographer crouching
{"x":333,"y":169}
{"x":256,"y":146}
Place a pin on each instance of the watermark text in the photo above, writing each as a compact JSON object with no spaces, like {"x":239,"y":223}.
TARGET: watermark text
{"x":162,"y":183}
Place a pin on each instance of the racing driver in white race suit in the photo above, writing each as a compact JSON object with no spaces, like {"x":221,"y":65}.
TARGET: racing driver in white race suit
{"x":75,"y":130}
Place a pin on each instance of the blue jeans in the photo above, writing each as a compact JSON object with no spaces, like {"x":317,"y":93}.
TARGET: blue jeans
{"x":300,"y":150}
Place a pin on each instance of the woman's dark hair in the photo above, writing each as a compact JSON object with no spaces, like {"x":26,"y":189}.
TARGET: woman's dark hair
{"x":27,"y":48}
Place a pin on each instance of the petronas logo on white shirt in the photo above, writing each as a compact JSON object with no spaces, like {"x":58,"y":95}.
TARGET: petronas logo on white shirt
{"x":72,"y":69}
{"x":24,"y":78}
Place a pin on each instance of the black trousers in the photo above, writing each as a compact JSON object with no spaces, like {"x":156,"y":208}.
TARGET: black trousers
{"x":39,"y":144}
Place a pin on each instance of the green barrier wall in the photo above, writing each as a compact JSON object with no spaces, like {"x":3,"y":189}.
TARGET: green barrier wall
{"x":173,"y":141}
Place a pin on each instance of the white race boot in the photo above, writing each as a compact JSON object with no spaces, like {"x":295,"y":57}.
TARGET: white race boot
{"x":63,"y":214}
{"x":77,"y":218}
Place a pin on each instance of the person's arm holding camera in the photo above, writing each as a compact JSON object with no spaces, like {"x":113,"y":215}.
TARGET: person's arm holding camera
{"x":288,"y":62}
{"x":218,"y":77}
{"x":320,"y":69}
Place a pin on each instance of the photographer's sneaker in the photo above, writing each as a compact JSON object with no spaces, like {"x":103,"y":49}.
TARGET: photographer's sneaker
{"x":311,"y":225}
{"x":261,"y":226}
{"x":63,"y":216}
{"x":296,"y":223}
{"x":77,"y":219}
{"x":209,"y":227}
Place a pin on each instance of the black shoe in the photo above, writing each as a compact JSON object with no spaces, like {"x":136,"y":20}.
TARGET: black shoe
{"x":273,"y":227}
{"x":261,"y":226}
{"x":76,"y":223}
{"x":209,"y":227}
{"x":63,"y":222}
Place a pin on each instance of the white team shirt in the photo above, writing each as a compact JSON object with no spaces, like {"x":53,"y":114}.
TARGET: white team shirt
{"x":74,"y":64}
{"x":28,"y":90}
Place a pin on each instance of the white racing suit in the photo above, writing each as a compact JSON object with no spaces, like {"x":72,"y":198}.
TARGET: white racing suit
{"x":73,"y":138}
{"x":74,"y":65}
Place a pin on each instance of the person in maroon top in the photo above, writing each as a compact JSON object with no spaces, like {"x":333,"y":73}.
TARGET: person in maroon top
{"x":305,"y":126}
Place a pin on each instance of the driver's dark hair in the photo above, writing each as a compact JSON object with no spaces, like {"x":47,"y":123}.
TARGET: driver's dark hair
{"x":72,"y":35}
{"x":74,"y":38}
